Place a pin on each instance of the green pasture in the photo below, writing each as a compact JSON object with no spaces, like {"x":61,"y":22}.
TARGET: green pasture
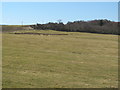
{"x":76,"y":60}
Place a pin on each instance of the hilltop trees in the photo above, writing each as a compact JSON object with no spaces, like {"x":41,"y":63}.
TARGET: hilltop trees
{"x":94,"y":26}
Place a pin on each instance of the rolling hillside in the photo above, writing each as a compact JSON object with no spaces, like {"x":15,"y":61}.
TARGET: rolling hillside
{"x":76,"y":60}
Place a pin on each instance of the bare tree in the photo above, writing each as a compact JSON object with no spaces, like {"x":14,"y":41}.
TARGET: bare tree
{"x":59,"y":20}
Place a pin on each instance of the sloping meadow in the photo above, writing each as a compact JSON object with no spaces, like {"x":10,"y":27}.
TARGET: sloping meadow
{"x":76,"y":60}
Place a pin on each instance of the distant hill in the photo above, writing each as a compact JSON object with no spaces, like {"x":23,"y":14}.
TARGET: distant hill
{"x":101,"y":26}
{"x":9,"y":28}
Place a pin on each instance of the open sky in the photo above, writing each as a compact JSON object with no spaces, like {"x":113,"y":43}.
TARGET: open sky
{"x":14,"y":13}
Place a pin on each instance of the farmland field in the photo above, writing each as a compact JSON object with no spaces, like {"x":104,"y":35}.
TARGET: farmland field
{"x":76,"y":60}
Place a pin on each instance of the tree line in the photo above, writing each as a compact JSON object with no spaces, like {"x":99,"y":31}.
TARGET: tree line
{"x":102,"y":26}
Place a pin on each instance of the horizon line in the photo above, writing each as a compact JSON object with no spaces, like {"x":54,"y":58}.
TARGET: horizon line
{"x":62,"y":22}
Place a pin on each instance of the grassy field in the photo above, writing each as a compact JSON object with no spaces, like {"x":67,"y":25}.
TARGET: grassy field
{"x":76,"y":60}
{"x":0,"y":59}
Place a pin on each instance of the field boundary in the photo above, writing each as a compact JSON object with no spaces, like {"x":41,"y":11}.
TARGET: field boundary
{"x":40,"y":33}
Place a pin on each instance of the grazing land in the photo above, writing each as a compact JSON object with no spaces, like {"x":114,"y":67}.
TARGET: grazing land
{"x":76,"y":60}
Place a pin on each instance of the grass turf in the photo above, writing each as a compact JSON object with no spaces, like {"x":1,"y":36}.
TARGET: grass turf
{"x":77,"y":60}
